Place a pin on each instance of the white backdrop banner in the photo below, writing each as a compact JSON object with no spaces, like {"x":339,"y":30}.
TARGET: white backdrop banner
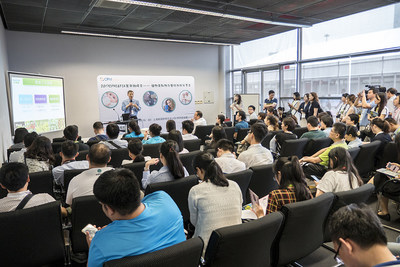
{"x":161,"y":98}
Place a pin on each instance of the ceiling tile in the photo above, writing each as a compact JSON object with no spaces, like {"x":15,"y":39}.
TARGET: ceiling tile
{"x":134,"y":24}
{"x":72,"y":5}
{"x":164,"y":26}
{"x":59,"y":18}
{"x":101,"y":20}
{"x":23,"y":14}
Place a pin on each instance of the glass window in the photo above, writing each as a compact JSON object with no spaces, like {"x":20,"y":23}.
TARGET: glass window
{"x":269,"y":50}
{"x":365,"y":31}
{"x":289,"y":80}
{"x":253,"y":83}
{"x":237,"y":82}
{"x":271,"y":82}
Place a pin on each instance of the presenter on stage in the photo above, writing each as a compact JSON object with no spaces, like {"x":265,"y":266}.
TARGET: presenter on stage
{"x":131,"y":106}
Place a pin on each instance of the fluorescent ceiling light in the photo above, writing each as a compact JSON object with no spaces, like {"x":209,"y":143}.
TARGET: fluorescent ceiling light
{"x":143,"y":38}
{"x":210,"y":13}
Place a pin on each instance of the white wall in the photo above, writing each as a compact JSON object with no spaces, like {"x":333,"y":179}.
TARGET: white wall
{"x":81,"y":59}
{"x":5,"y":131}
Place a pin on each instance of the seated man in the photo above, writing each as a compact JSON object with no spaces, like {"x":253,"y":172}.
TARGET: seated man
{"x":256,"y":154}
{"x":252,"y":114}
{"x":359,"y":238}
{"x":198,"y":119}
{"x":154,"y":133}
{"x":135,"y":148}
{"x":69,"y":151}
{"x":71,"y":133}
{"x":226,"y":158}
{"x":187,"y":130}
{"x":320,"y":160}
{"x":241,"y":123}
{"x":98,"y":129}
{"x":112,"y":131}
{"x":137,"y":226}
{"x":15,"y":178}
{"x":394,"y":128}
{"x":82,"y":184}
{"x":313,"y":130}
{"x":28,"y":140}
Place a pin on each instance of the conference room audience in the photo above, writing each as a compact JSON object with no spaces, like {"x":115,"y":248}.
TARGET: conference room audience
{"x":71,"y":133}
{"x":326,"y":124}
{"x":352,"y":120}
{"x":351,"y":137}
{"x":314,"y":108}
{"x":380,"y":110}
{"x":187,"y":130}
{"x":292,"y":186}
{"x":240,"y":122}
{"x":82,"y":184}
{"x":28,"y":140}
{"x":198,"y":119}
{"x":39,"y":155}
{"x":226,"y":158}
{"x":138,"y":226}
{"x":14,"y":177}
{"x":172,"y":166}
{"x":113,"y":142}
{"x":135,"y":148}
{"x":69,"y":151}
{"x":98,"y":129}
{"x":217,"y":133}
{"x":272,"y":123}
{"x":170,"y":125}
{"x":317,"y":164}
{"x":176,"y":136}
{"x":134,"y":130}
{"x":221,"y":120}
{"x":288,"y":125}
{"x":391,"y":96}
{"x":154,"y":133}
{"x":342,"y":174}
{"x":19,"y":135}
{"x":313,"y":129}
{"x":216,"y":201}
{"x":256,"y":154}
{"x":359,"y":238}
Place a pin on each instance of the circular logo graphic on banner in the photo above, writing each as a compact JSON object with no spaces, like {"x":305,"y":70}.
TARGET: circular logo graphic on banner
{"x":150,"y":98}
{"x":109,"y":99}
{"x":168,"y":105}
{"x":185,"y":97}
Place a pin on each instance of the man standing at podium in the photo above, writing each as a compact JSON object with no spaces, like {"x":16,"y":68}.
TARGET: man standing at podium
{"x":131,"y":106}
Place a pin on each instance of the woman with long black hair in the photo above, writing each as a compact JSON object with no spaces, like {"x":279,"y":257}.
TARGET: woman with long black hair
{"x":172,"y":166}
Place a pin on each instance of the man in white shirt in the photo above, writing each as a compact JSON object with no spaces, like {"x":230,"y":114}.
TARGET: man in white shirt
{"x":226,"y":159}
{"x":256,"y":154}
{"x":113,"y":142}
{"x":252,"y":114}
{"x":82,"y":184}
{"x":69,"y":151}
{"x":187,"y":129}
{"x":198,"y":119}
{"x":15,"y":178}
{"x":391,"y":95}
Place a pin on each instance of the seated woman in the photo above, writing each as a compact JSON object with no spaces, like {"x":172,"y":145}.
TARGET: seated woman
{"x":292,"y":185}
{"x":351,"y":137}
{"x":221,"y":120}
{"x":170,"y":125}
{"x":154,"y":133}
{"x":379,"y":179}
{"x":19,"y":135}
{"x":381,"y":130}
{"x":134,"y":130}
{"x":39,"y":155}
{"x":177,"y":137}
{"x":214,"y":203}
{"x":272,"y":122}
{"x":276,"y":142}
{"x":217,"y":133}
{"x":342,"y":176}
{"x":172,"y":166}
{"x":135,"y":148}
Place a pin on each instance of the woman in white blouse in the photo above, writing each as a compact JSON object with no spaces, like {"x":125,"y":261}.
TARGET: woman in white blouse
{"x":172,"y":166}
{"x":342,"y":176}
{"x":214,"y":203}
{"x":396,"y":113}
{"x":236,"y":106}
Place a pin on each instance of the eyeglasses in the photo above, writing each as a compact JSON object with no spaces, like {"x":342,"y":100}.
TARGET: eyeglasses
{"x":336,"y":257}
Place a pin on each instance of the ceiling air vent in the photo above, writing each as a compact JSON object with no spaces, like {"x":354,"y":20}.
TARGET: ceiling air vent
{"x":112,"y":5}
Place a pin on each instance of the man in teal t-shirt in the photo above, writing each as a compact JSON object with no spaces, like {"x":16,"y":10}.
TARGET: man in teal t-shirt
{"x":313,"y":130}
{"x":137,"y":226}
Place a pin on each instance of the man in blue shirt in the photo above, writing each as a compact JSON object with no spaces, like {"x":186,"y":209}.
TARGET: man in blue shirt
{"x":131,"y":106}
{"x":271,"y":101}
{"x":367,"y":103}
{"x":137,"y":226}
{"x":241,"y":123}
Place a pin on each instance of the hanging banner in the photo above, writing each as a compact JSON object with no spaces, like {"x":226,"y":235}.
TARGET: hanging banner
{"x":160,"y":98}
